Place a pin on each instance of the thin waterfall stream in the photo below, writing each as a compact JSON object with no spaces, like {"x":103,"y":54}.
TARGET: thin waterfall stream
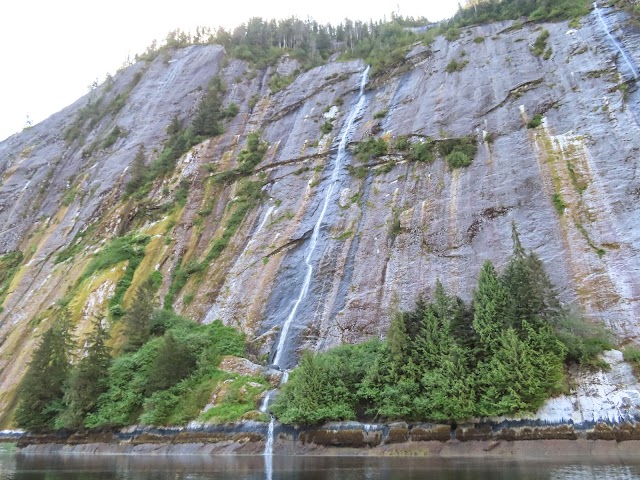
{"x":335,"y":174}
{"x":615,"y":42}
{"x":355,"y":113}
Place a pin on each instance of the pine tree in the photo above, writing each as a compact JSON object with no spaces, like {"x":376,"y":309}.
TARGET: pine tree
{"x":87,"y":380}
{"x":173,"y":363}
{"x":399,"y":345}
{"x":137,"y":171}
{"x":137,"y":319}
{"x":433,"y":341}
{"x":533,"y":297}
{"x":449,"y":389}
{"x":42,"y":389}
{"x":461,"y":325}
{"x":491,"y":309}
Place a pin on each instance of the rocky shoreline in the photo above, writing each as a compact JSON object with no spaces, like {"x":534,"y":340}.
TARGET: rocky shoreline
{"x":507,"y":438}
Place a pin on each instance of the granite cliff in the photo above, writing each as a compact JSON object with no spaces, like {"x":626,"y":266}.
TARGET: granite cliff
{"x":557,"y":147}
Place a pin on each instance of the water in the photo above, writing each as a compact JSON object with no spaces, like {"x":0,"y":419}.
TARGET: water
{"x":124,"y":467}
{"x":268,"y":451}
{"x":615,"y":42}
{"x":337,"y":166}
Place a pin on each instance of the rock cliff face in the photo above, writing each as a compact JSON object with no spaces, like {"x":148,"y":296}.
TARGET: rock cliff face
{"x":392,"y":226}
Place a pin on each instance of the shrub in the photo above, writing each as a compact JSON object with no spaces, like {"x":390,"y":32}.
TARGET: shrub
{"x":558,"y":203}
{"x":452,"y":34}
{"x":458,"y":159}
{"x":381,"y":114}
{"x":371,"y":148}
{"x":535,"y":122}
{"x":455,"y":66}
{"x":422,"y":152}
{"x":115,"y":133}
{"x":540,"y":44}
{"x":402,"y":143}
{"x":326,"y":128}
{"x":632,"y":355}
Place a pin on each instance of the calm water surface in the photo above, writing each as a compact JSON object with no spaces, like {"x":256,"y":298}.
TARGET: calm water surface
{"x":32,"y":467}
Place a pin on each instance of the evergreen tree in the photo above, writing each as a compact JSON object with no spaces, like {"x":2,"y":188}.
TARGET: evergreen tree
{"x":522,"y":373}
{"x":449,"y":389}
{"x":399,"y":345}
{"x":42,"y":389}
{"x":461,"y":325}
{"x":434,"y":341}
{"x":173,"y":363}
{"x":137,"y":319}
{"x":533,"y":298}
{"x":87,"y":380}
{"x":137,"y":171}
{"x":491,"y":309}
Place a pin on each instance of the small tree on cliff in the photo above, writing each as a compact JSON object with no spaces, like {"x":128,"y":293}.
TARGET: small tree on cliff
{"x":138,"y":171}
{"x":42,"y":389}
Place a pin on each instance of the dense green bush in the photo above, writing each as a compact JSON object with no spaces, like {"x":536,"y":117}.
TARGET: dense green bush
{"x":422,"y":151}
{"x":371,"y":148}
{"x":458,"y":159}
{"x":452,"y":34}
{"x":541,"y":43}
{"x":326,"y":128}
{"x":535,"y":122}
{"x":455,"y":66}
{"x":168,"y":379}
{"x":458,"y":152}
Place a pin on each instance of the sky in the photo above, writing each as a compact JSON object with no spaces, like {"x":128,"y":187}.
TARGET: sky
{"x":51,"y":51}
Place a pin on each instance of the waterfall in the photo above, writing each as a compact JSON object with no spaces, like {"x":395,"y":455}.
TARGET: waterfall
{"x":268,"y":451}
{"x":615,"y":42}
{"x":335,"y":174}
{"x":342,"y":148}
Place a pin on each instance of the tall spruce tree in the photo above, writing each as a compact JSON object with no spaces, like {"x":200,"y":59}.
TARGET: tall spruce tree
{"x":533,"y":298}
{"x":433,"y":341}
{"x":137,"y":319}
{"x":88,"y":379}
{"x":42,"y":389}
{"x":491,"y":309}
{"x":174,"y":362}
{"x":399,"y":343}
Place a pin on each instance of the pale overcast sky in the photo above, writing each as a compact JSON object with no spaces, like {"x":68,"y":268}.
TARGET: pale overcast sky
{"x":51,"y":51}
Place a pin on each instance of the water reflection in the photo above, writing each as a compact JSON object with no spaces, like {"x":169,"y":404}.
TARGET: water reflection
{"x":590,"y":472}
{"x":123,"y":467}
